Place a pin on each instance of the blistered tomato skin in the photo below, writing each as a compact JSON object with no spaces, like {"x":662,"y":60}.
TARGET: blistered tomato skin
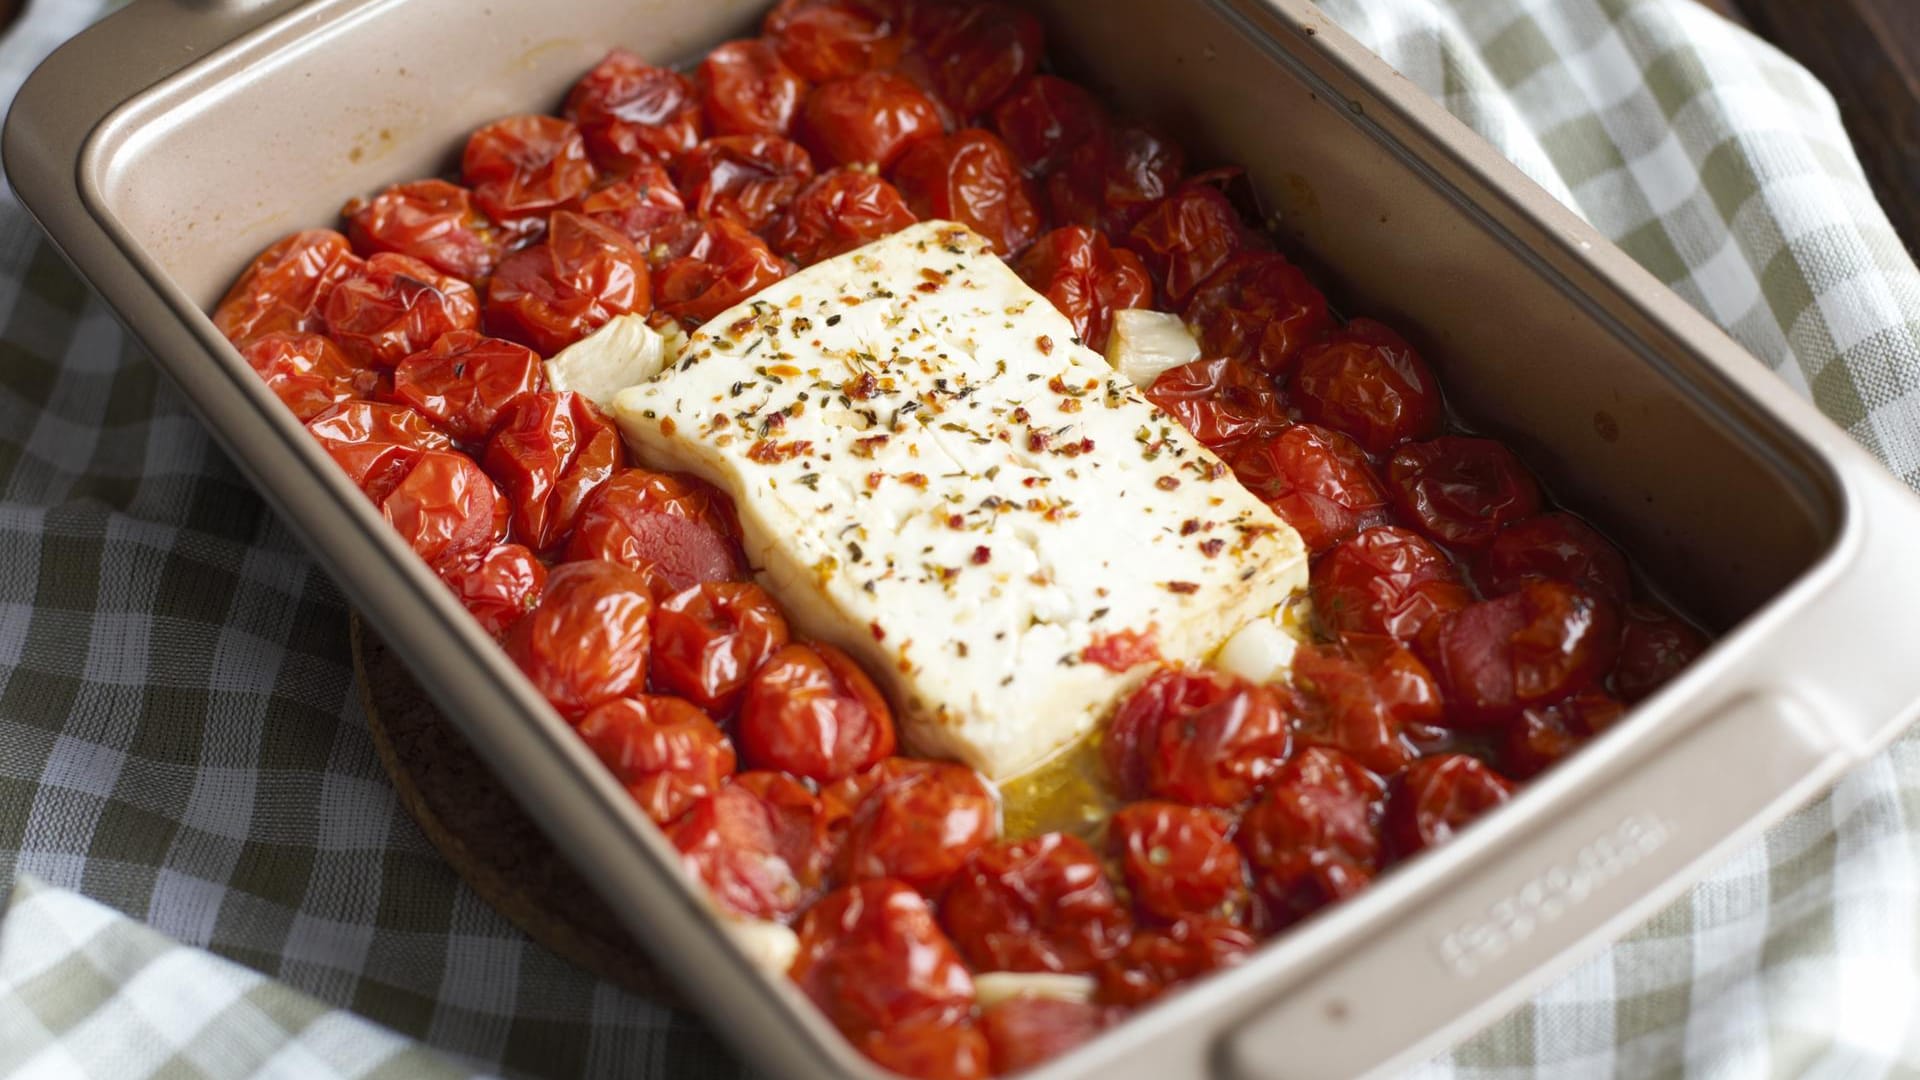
{"x":665,"y":752}
{"x":1044,"y":118}
{"x":1439,"y":796}
{"x":431,"y":220}
{"x":394,"y":306}
{"x":1087,"y":279}
{"x":1654,"y":647}
{"x":1025,"y":1031}
{"x":1162,"y":959}
{"x":1111,"y":181}
{"x":709,"y":640}
{"x":723,"y":265}
{"x":1554,"y":547}
{"x":867,"y":119}
{"x":1042,"y":904}
{"x":1258,"y":308}
{"x":873,"y":958}
{"x":810,"y":710}
{"x":1368,"y":383}
{"x":1224,"y":403}
{"x":523,"y":168}
{"x":1179,"y":861}
{"x":631,"y":113}
{"x":307,"y":372}
{"x":747,"y":179}
{"x":554,"y":293}
{"x":731,"y":841}
{"x":1198,"y":737}
{"x":930,"y":1049}
{"x":824,"y":40}
{"x":587,"y":641}
{"x":550,"y":453}
{"x":1540,"y":737}
{"x":674,"y":530}
{"x":977,"y":55}
{"x":1314,"y":837}
{"x":839,"y":211}
{"x":285,"y":288}
{"x":746,"y":89}
{"x":465,"y":381}
{"x":1533,"y":647}
{"x":1363,"y":700}
{"x":446,"y":505}
{"x":642,"y":205}
{"x":1317,"y":480}
{"x":806,"y":828}
{"x":970,"y":177}
{"x":1386,"y":581}
{"x":497,"y":585}
{"x":919,"y":825}
{"x":376,"y":443}
{"x":1460,"y":490}
{"x":1191,"y":234}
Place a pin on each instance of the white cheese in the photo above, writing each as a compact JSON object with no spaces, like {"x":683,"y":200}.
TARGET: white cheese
{"x":770,"y":946}
{"x":1259,"y":652}
{"x":623,"y":352}
{"x":932,"y":476}
{"x":1145,"y":344}
{"x":992,"y":987}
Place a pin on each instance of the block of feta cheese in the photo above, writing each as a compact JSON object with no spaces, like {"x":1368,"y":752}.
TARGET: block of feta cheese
{"x":931,"y":475}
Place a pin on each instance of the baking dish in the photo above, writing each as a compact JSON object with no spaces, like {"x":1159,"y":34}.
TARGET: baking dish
{"x":167,"y":145}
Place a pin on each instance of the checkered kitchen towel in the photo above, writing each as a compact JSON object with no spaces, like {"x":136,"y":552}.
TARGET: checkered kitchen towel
{"x":179,"y":738}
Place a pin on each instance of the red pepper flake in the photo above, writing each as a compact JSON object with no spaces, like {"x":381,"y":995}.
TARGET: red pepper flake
{"x":873,"y":480}
{"x":955,"y":521}
{"x":861,"y":387}
{"x":1122,"y":650}
{"x":1030,"y":481}
{"x":915,"y":480}
{"x":1037,"y":441}
{"x":1020,"y":414}
{"x":668,"y":427}
{"x":982,"y":555}
{"x":1046,"y":345}
{"x":864,"y":447}
{"x":769,"y":452}
{"x":1189,"y":526}
{"x":1212,"y":548}
{"x":879,"y":634}
{"x":741,"y":326}
{"x":1059,"y":386}
{"x":1184,"y":588}
{"x":1168,"y":483}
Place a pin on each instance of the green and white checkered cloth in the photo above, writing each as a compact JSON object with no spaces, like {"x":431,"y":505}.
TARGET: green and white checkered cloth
{"x":180,"y":739}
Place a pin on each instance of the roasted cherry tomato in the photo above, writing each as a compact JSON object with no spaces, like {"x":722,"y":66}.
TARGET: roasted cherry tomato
{"x":1025,"y":1031}
{"x":867,"y":119}
{"x":747,"y":179}
{"x":1224,"y":403}
{"x":1112,"y":180}
{"x":554,"y":293}
{"x":642,"y":205}
{"x":665,"y":752}
{"x":395,"y":306}
{"x":1366,"y":382}
{"x":550,"y":453}
{"x":873,"y":958}
{"x":523,"y":168}
{"x":970,"y":177}
{"x":1459,"y":490}
{"x":811,"y":711}
{"x":465,"y":380}
{"x":1555,"y":547}
{"x":446,"y":505}
{"x":732,"y":841}
{"x":1387,"y":581}
{"x":833,"y":39}
{"x":1655,"y":646}
{"x":431,"y":220}
{"x":747,"y":89}
{"x":1438,"y":797}
{"x":1087,"y":279}
{"x":1200,"y":737}
{"x":977,"y":54}
{"x":632,"y":114}
{"x":723,"y":265}
{"x":675,"y":530}
{"x":1044,"y":118}
{"x":806,"y":825}
{"x":285,"y":288}
{"x":930,"y":1049}
{"x":1316,"y":479}
{"x":841,"y":210}
{"x":919,"y":825}
{"x":587,"y":640}
{"x":375,"y":443}
{"x":308,"y":373}
{"x":497,"y":585}
{"x":1362,"y":700}
{"x":1539,"y":737}
{"x":1533,"y":647}
{"x":1042,"y":904}
{"x":1314,"y":837}
{"x":709,"y":640}
{"x":1160,"y":959}
{"x":1191,"y":234}
{"x":1260,"y":308}
{"x":1178,"y":861}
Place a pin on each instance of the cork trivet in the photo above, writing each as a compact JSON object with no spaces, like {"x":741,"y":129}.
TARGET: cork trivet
{"x":471,"y":818}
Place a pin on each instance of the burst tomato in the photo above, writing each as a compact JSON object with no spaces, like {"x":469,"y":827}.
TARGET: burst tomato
{"x":867,"y":119}
{"x":1087,"y":279}
{"x":642,"y":205}
{"x":1314,"y":837}
{"x":1260,"y":308}
{"x":1460,"y":490}
{"x":1387,"y":581}
{"x":746,"y":89}
{"x":731,"y":840}
{"x":632,"y":114}
{"x":675,"y":530}
{"x":930,"y":1049}
{"x":1044,"y":118}
{"x":497,"y":585}
{"x":872,"y":958}
{"x":587,"y":640}
{"x":431,"y":220}
{"x":1162,"y":959}
{"x":665,"y":752}
{"x":308,"y":373}
{"x":747,"y":179}
{"x":841,"y":210}
{"x":1539,"y":737}
{"x":806,"y":826}
{"x":824,"y":40}
{"x":1439,"y":796}
{"x":811,"y":711}
{"x":523,"y":168}
{"x":710,"y":639}
{"x":918,"y":825}
{"x":285,"y":288}
{"x":1025,"y":1031}
{"x":723,"y":265}
{"x":1111,"y":181}
{"x":1536,"y":646}
{"x":446,"y":505}
{"x":1042,"y":904}
{"x":1179,"y":862}
{"x":465,"y":380}
{"x":554,"y":293}
{"x":1191,"y":234}
{"x":1555,"y":547}
{"x":376,"y":443}
{"x":1223,"y":403}
{"x":550,"y":452}
{"x":1362,"y":701}
{"x":1655,"y":646}
{"x":970,"y":177}
{"x":395,"y":306}
{"x":1366,"y":382}
{"x":1199,"y":737}
{"x":976,"y":54}
{"x":1316,"y":479}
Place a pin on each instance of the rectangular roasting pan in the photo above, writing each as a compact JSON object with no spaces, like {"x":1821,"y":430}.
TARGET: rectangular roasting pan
{"x":167,"y":145}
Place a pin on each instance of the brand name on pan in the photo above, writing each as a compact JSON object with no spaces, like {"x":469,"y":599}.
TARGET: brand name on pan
{"x":1550,"y":894}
